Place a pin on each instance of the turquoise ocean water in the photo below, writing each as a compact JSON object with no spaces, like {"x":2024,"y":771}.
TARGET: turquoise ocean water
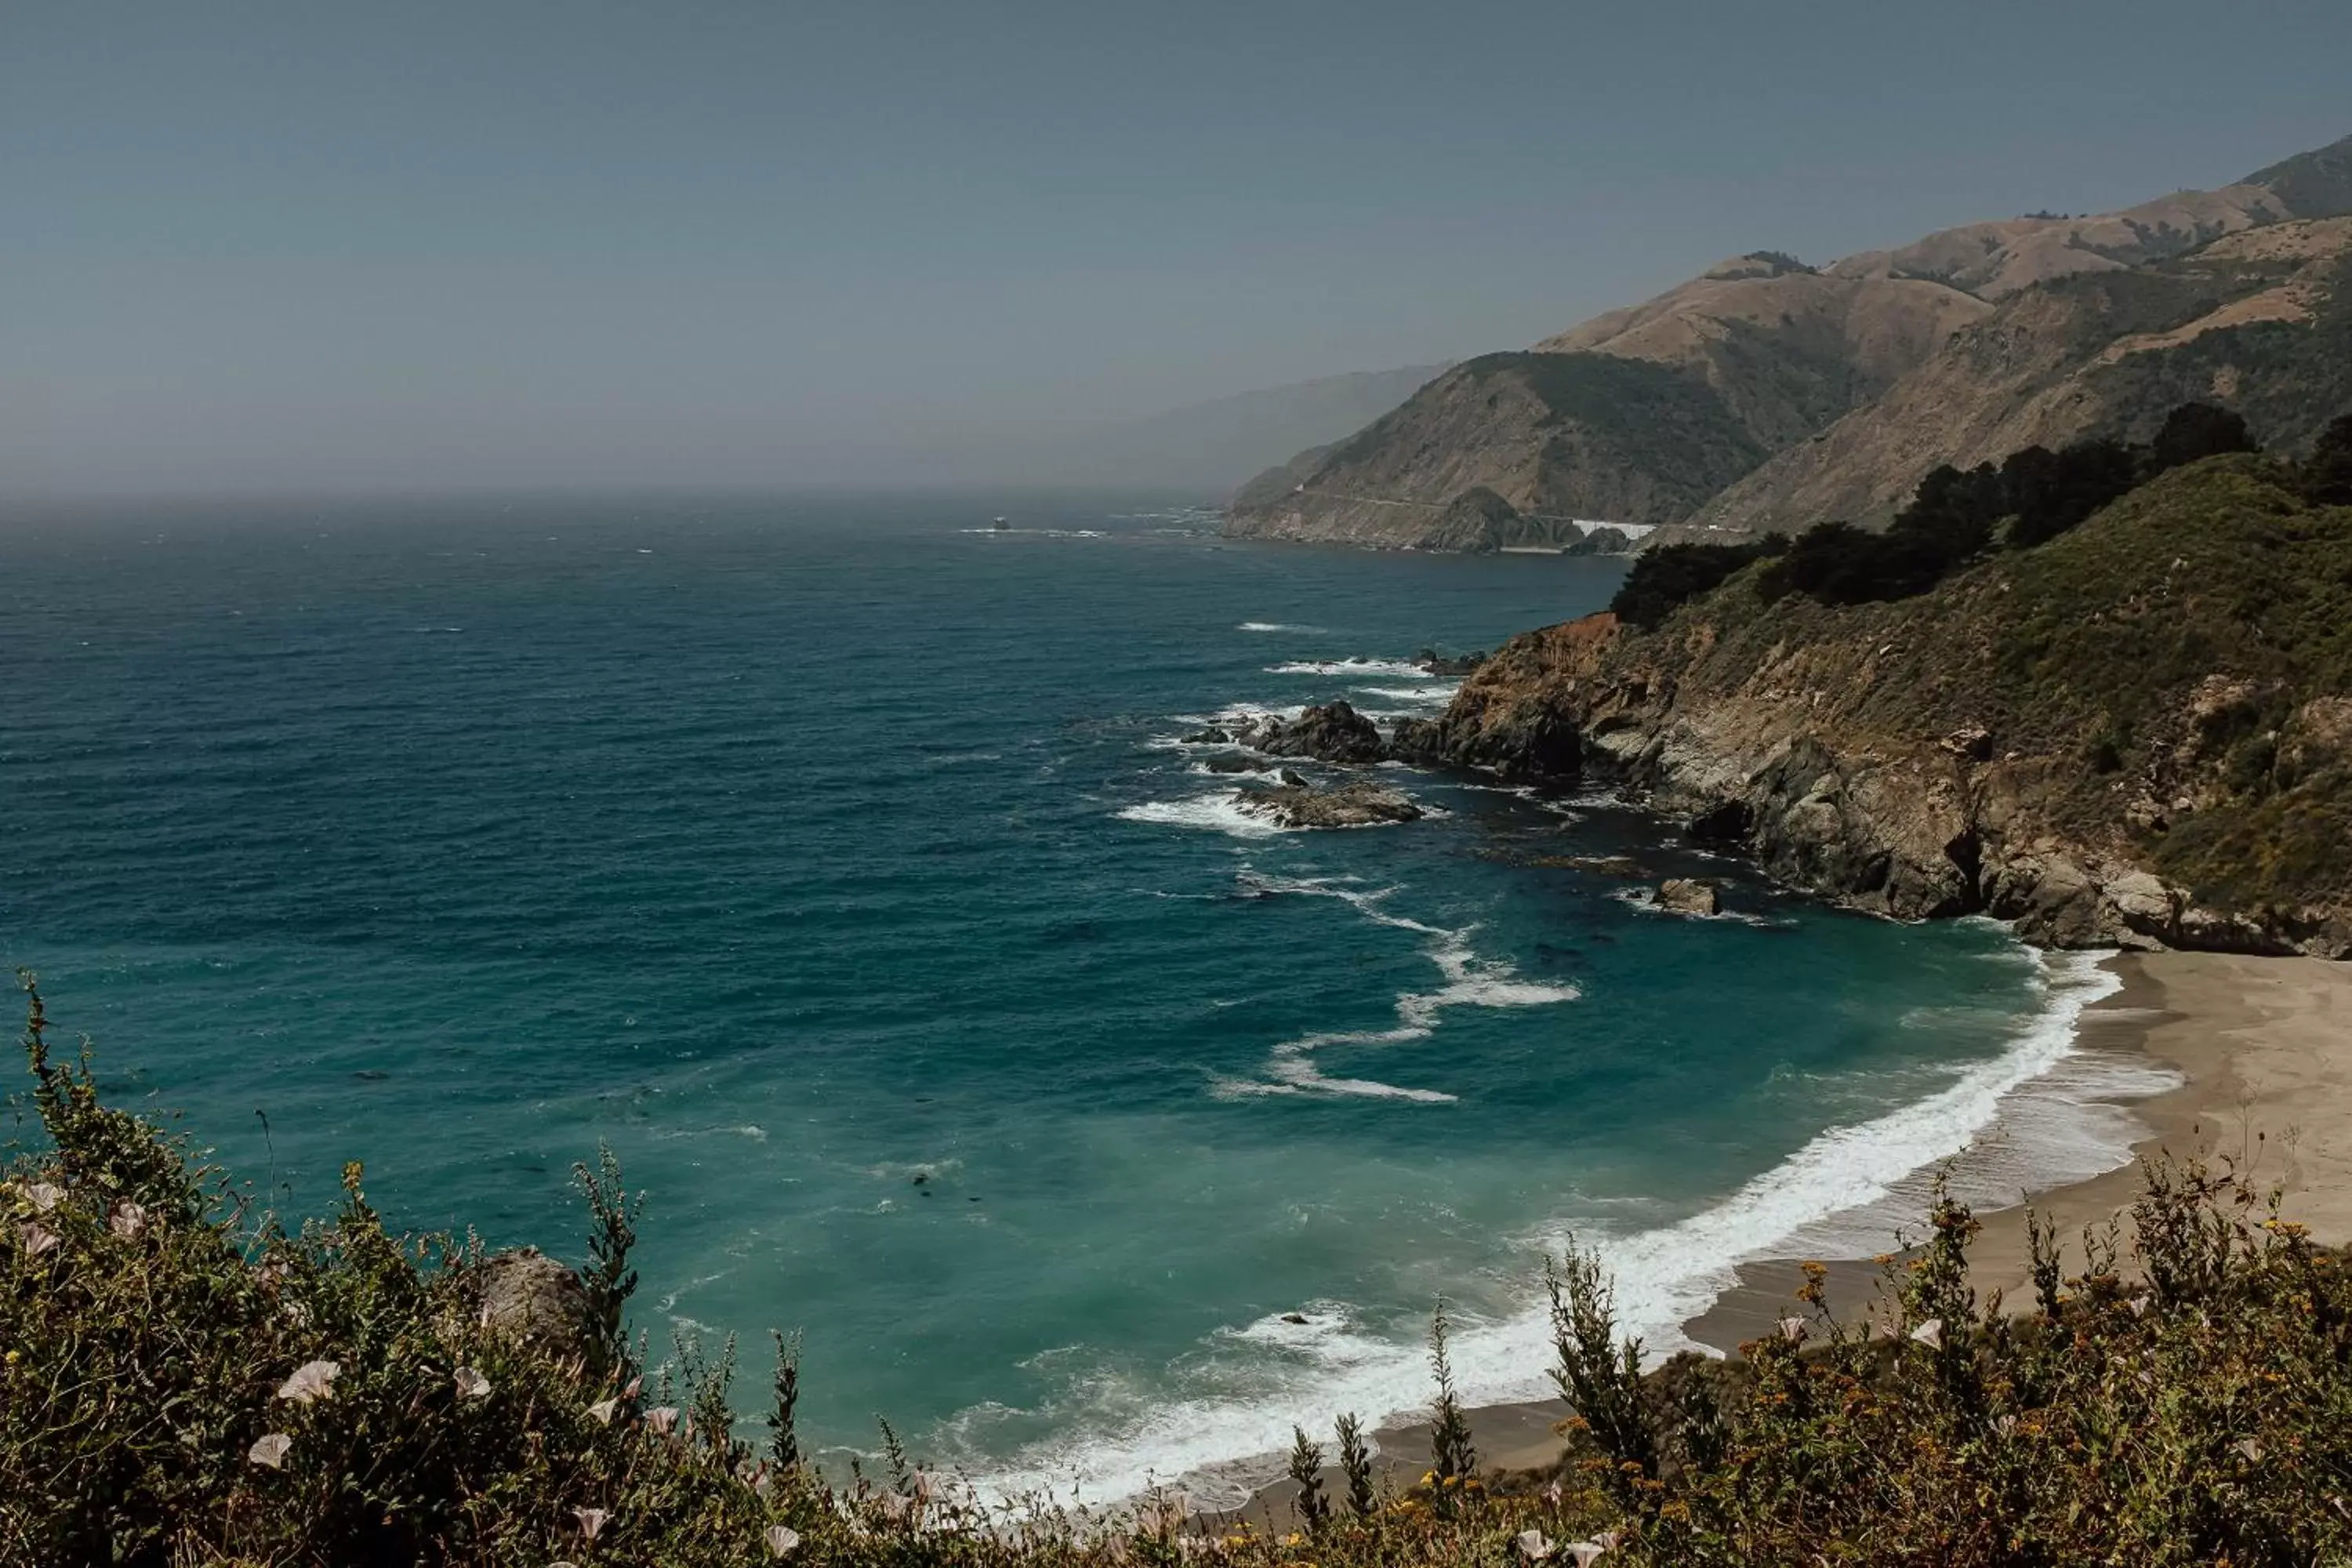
{"x":799,"y":850}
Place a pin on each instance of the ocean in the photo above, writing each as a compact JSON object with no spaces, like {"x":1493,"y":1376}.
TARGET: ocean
{"x":843,"y":867}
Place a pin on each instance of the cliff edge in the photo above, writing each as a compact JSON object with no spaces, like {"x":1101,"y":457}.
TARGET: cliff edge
{"x":2138,"y":733}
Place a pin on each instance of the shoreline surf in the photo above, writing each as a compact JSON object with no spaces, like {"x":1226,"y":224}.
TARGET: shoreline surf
{"x":2261,"y":1077}
{"x":1827,"y":1196}
{"x":2255,"y":1055}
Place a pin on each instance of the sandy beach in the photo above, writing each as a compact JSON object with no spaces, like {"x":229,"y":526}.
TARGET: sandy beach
{"x":2263,"y":1048}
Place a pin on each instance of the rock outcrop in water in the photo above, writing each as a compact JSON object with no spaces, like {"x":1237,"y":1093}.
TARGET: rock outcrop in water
{"x":1333,"y":732}
{"x":1687,"y":896}
{"x":1431,"y":662}
{"x":1360,"y":803}
{"x":2137,"y":734}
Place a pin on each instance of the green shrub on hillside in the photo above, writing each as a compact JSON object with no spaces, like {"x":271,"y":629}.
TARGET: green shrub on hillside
{"x":2326,"y":476}
{"x":1673,"y":574}
{"x":1955,"y":517}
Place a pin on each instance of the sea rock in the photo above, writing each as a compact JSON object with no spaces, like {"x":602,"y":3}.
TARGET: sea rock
{"x":1333,"y":732}
{"x":1622,"y":868}
{"x":1686,"y":896}
{"x":528,"y":1293}
{"x":1435,"y":663}
{"x":1237,"y":762}
{"x":1361,"y":803}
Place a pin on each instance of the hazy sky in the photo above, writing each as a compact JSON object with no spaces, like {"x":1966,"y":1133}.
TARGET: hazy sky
{"x":314,"y":245}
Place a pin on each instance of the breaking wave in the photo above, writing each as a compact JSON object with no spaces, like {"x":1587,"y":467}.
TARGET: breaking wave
{"x":1830,"y":1197}
{"x":1470,"y":982}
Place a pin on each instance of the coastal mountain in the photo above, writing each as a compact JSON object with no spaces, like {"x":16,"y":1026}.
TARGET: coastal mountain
{"x":1637,"y":417}
{"x":1769,"y":395}
{"x":1554,"y":436}
{"x":2134,"y":732}
{"x":2259,"y":321}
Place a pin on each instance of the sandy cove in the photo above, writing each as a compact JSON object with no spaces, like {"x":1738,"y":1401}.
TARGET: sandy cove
{"x":2263,"y":1047}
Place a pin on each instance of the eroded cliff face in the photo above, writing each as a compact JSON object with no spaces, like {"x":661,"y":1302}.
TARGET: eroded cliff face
{"x":1934,"y":757}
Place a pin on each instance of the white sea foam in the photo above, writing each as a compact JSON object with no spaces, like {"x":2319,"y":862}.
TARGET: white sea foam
{"x":1390,"y":667}
{"x":1233,"y":716}
{"x":1646,"y":899}
{"x":1252,"y":712}
{"x":1432,"y":694}
{"x":1279,"y":626}
{"x":1041,"y":532}
{"x":1470,"y":982}
{"x":1219,"y":813}
{"x":1123,"y":1440}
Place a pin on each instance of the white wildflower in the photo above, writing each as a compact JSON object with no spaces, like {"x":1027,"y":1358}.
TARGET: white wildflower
{"x":128,"y":1219}
{"x":46,"y":1195}
{"x":1794,"y":1330}
{"x":781,"y":1539}
{"x":310,"y":1381}
{"x":1930,"y":1334}
{"x":270,"y":1449}
{"x":662,"y":1419}
{"x":592,"y":1521}
{"x":1533,"y":1545}
{"x":1164,"y":1513}
{"x":36,"y":1239}
{"x":471,"y":1384}
{"x":1584,"y":1552}
{"x":602,"y":1411}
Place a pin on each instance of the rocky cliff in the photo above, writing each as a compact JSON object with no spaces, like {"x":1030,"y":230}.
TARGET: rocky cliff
{"x":2140,"y":733}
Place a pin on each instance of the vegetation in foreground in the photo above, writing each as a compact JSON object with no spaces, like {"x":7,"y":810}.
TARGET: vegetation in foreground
{"x":186,"y":1383}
